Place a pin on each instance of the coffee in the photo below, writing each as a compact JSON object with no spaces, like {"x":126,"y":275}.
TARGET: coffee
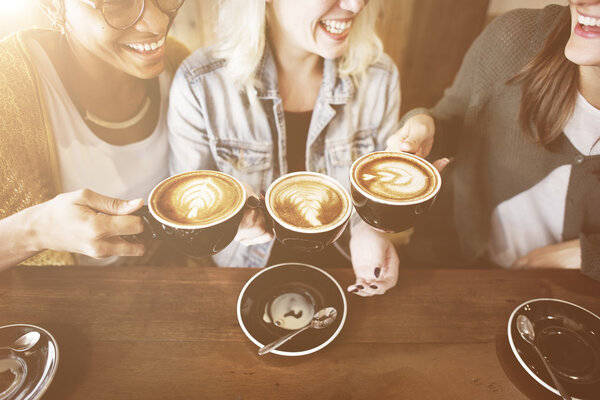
{"x":397,"y":178}
{"x":308,"y":202}
{"x":197,"y":198}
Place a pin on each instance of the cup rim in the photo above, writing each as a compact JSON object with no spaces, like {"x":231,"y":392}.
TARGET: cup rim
{"x":249,"y":335}
{"x":197,"y":226}
{"x":356,"y":186}
{"x":330,"y":228}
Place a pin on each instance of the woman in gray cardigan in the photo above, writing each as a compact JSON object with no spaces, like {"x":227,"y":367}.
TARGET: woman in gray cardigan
{"x":521,"y":122}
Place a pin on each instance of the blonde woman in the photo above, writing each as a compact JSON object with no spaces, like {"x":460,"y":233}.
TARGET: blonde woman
{"x":83,"y":129}
{"x":291,"y":85}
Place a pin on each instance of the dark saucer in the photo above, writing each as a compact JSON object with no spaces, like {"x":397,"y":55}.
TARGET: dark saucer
{"x":308,"y":283}
{"x":569,"y":337}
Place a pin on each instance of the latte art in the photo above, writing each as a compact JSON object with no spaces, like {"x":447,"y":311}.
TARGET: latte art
{"x":395,"y":177}
{"x":308,"y":202}
{"x":197,"y":198}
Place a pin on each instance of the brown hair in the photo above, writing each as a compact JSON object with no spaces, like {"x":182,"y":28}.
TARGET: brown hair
{"x":549,"y":84}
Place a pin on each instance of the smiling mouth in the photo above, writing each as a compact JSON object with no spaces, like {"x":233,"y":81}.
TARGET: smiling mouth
{"x":588,"y":24}
{"x":147,"y":47}
{"x":336,"y":27}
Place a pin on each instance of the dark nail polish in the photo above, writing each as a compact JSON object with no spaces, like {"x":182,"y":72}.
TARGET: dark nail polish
{"x":373,"y":287}
{"x":377,"y":272}
{"x":253,"y":202}
{"x":360,"y":287}
{"x":355,"y":291}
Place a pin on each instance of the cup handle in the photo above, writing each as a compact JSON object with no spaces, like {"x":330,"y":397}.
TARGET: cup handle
{"x":149,"y":232}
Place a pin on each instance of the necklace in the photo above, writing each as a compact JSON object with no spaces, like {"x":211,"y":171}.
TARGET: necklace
{"x":96,"y":120}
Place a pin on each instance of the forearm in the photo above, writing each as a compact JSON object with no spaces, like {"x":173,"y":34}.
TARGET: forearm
{"x":18,"y":239}
{"x":590,"y":255}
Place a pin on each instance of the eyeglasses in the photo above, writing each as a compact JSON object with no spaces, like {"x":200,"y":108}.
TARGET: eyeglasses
{"x":123,"y":14}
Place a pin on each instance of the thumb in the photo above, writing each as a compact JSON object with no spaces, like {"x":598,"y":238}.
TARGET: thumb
{"x":111,"y":205}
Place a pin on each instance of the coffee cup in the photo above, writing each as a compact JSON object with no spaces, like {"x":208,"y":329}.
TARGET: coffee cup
{"x":308,"y":210}
{"x":197,"y":213}
{"x":391,"y":190}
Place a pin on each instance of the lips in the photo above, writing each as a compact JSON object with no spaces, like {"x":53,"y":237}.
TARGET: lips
{"x":587,"y":27}
{"x":146,"y":47}
{"x":335,"y":28}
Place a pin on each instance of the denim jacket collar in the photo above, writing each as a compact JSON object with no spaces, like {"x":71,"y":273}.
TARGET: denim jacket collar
{"x":335,"y":90}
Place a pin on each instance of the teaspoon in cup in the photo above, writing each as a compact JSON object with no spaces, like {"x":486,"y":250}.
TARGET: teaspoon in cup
{"x":525,"y":328}
{"x":320,"y":320}
{"x":24,"y":343}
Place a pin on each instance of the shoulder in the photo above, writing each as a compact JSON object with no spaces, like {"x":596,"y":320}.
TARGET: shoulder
{"x":382,"y":70}
{"x":512,"y":39}
{"x":385,"y":64}
{"x":199,"y":63}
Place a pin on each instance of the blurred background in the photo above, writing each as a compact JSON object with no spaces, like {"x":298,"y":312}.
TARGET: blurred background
{"x":426,"y":38}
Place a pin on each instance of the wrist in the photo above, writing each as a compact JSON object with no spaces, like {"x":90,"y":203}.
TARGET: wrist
{"x":29,"y":234}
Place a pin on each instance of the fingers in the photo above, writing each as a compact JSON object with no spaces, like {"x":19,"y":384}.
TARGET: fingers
{"x":415,"y":136}
{"x":107,"y":205}
{"x":115,"y":246}
{"x":441,"y":164}
{"x":117,"y":225}
{"x":378,"y":284}
{"x":253,"y":228}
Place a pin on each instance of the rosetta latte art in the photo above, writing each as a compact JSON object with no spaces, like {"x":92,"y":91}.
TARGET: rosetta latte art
{"x":307,"y":204}
{"x":395,"y":179}
{"x":199,"y":199}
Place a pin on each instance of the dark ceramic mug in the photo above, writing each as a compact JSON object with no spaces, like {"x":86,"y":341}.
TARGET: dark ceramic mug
{"x":392,"y":190}
{"x":307,"y":210}
{"x":193,"y":238}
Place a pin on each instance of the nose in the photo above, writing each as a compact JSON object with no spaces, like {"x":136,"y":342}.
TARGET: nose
{"x":354,"y":6}
{"x":153,"y":20}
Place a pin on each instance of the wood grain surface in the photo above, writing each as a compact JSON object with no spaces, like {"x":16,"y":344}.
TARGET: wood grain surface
{"x":172,"y":333}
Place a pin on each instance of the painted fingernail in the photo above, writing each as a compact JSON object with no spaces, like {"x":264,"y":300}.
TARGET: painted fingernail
{"x":373,"y":287}
{"x":360,"y":287}
{"x":355,"y":291}
{"x":377,"y":272}
{"x":253,"y":202}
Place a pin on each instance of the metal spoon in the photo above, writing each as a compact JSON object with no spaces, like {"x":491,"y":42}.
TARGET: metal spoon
{"x":25,"y":342}
{"x":525,"y":328}
{"x":320,"y":320}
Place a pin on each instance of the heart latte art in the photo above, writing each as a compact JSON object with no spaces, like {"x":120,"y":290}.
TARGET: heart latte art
{"x":395,"y":177}
{"x":197,"y":198}
{"x":308,"y":202}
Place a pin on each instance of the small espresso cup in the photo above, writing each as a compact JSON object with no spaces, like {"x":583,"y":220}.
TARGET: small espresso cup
{"x":391,"y":190}
{"x":197,"y":213}
{"x":308,"y":210}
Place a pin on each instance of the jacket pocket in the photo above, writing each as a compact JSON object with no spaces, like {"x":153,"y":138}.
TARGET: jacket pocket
{"x":343,"y":153}
{"x":247,"y":161}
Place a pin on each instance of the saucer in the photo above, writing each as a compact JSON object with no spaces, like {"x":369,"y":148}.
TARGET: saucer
{"x":569,"y":336}
{"x":26,"y":375}
{"x":280,"y":299}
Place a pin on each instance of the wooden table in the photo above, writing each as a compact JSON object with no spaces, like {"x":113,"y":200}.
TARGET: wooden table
{"x":172,"y":333}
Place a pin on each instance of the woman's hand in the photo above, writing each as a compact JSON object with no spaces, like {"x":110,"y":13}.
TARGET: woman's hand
{"x":415,"y":136}
{"x":374,"y":260}
{"x":88,"y":223}
{"x":253,"y":228}
{"x":565,"y":255}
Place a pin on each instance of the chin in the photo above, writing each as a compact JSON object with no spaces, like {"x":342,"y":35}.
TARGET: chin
{"x":582,"y":56}
{"x":149,"y":72}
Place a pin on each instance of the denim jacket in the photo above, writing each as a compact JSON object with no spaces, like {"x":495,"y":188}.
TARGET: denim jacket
{"x":212,"y":125}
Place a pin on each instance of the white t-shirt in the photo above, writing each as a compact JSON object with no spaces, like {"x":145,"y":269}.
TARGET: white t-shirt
{"x":86,"y":161}
{"x":535,"y":218}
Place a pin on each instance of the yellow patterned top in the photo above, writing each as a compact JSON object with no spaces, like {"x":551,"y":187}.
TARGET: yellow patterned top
{"x":28,"y":164}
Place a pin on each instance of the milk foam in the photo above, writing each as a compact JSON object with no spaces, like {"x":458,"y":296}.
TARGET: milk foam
{"x":307,"y":202}
{"x":289,"y":311}
{"x":395,"y":178}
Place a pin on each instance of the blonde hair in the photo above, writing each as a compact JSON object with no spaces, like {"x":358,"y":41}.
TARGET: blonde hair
{"x":242,"y":37}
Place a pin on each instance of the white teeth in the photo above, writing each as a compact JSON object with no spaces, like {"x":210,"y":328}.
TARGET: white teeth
{"x":336,"y":27}
{"x":588,"y":21}
{"x":144,"y":47}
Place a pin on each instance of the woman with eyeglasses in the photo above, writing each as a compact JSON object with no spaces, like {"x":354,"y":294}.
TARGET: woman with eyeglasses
{"x":83,"y":129}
